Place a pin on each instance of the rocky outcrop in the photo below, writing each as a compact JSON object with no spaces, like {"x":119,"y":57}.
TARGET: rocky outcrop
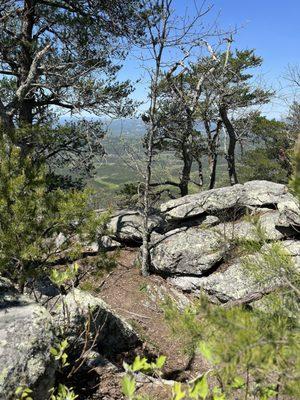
{"x":26,"y":335}
{"x":207,"y":257}
{"x":29,"y":330}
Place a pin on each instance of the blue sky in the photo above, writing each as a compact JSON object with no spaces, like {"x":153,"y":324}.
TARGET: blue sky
{"x":270,"y":26}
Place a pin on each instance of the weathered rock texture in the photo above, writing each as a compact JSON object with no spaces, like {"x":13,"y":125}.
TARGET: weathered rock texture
{"x":73,"y":312}
{"x":204,"y":257}
{"x":126,"y":226}
{"x":28,"y":331}
{"x":26,"y":335}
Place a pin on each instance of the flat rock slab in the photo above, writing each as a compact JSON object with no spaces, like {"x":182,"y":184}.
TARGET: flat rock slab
{"x":253,"y":193}
{"x":26,"y":336}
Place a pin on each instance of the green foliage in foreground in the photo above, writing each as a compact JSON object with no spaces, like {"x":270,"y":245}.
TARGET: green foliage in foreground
{"x":258,"y":346}
{"x":32,"y":216}
{"x":253,"y":351}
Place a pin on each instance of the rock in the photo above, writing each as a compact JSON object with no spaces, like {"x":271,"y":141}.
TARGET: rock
{"x":256,"y":228}
{"x":231,"y":284}
{"x":204,"y":202}
{"x":73,"y":311}
{"x":191,"y":251}
{"x":95,"y":360}
{"x":231,"y":200}
{"x":292,"y":247}
{"x":126,"y":226}
{"x":235,"y":282}
{"x":41,"y":289}
{"x":289,"y":213}
{"x":26,"y":336}
{"x":107,"y":243}
{"x":262,"y":193}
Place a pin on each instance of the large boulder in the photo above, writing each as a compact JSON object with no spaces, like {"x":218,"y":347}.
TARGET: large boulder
{"x":263,"y":225}
{"x":262,"y":194}
{"x":126,"y":226}
{"x":198,"y":250}
{"x":191,"y":251}
{"x":289,"y":213}
{"x":78,"y":309}
{"x":26,"y":336}
{"x":232,"y":200}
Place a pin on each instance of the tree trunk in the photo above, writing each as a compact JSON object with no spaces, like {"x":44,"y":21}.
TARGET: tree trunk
{"x":186,"y":171}
{"x":213,"y":170}
{"x":200,"y":172}
{"x":145,"y":267}
{"x":230,"y":156}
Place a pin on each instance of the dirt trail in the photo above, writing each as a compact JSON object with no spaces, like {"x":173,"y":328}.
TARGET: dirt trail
{"x":139,"y":301}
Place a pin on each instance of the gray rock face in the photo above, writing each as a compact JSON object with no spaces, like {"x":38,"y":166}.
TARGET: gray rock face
{"x":189,"y":251}
{"x":289,"y":213}
{"x":262,"y":193}
{"x":231,"y":284}
{"x":235,"y":282}
{"x":112,"y":333}
{"x":253,"y":193}
{"x":196,"y":256}
{"x":204,"y":202}
{"x":126,"y":226}
{"x":248,"y":229}
{"x":26,"y":336}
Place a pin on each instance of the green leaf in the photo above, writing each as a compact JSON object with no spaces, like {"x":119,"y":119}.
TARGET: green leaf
{"x":218,"y":395}
{"x":238,"y":382}
{"x":160,"y":362}
{"x":128,"y":386}
{"x":140,"y":364}
{"x":53,"y":351}
{"x":199,"y":388}
{"x":205,"y":351}
{"x":19,"y":390}
{"x":178,"y":394}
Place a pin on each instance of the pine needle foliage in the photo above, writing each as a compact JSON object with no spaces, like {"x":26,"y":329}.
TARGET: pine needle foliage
{"x":32,"y":216}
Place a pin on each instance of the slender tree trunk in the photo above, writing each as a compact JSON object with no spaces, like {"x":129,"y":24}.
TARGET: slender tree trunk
{"x":186,"y":171}
{"x":145,"y":267}
{"x":213,"y":170}
{"x":230,"y":156}
{"x":200,"y":172}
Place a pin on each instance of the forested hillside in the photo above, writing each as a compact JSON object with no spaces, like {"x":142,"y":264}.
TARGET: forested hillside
{"x":149,"y":200}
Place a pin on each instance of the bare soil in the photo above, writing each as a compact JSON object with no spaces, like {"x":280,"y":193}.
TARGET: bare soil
{"x":139,"y":301}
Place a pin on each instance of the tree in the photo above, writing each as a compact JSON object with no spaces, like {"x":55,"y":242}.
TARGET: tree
{"x":31,"y":217}
{"x":270,"y":155}
{"x":234,"y":92}
{"x":60,"y":56}
{"x":157,"y":24}
{"x":208,"y":115}
{"x":183,"y":88}
{"x":174,"y":136}
{"x":163,"y":32}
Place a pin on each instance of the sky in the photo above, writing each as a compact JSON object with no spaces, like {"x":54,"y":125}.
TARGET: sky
{"x":270,"y":26}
